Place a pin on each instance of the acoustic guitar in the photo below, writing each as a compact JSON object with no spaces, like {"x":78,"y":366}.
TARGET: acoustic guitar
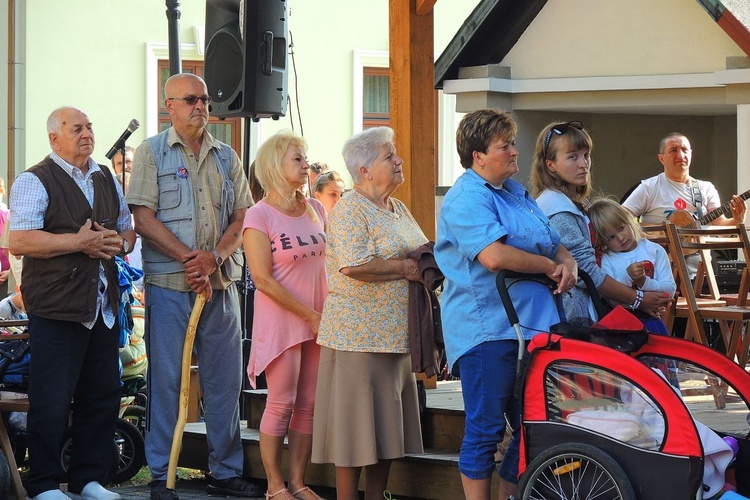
{"x":683,"y":218}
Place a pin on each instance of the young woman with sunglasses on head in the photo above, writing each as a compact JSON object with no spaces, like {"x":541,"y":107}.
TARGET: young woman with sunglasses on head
{"x":328,"y":189}
{"x":561,"y":182}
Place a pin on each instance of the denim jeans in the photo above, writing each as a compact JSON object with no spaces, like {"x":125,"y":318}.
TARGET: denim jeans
{"x":487,"y":377}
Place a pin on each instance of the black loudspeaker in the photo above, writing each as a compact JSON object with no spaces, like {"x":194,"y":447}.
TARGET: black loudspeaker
{"x":245,"y":58}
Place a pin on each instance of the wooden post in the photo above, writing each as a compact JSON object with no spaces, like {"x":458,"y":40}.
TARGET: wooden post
{"x":413,"y":103}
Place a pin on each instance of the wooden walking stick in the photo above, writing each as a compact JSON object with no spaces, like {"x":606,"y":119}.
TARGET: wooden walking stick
{"x":187,"y":354}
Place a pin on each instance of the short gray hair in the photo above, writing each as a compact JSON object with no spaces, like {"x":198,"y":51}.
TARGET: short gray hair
{"x":362,"y":149}
{"x":671,"y":135}
{"x":54,"y":122}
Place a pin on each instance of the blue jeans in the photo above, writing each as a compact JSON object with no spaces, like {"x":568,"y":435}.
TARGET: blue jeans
{"x":219,"y":348}
{"x":488,"y":373}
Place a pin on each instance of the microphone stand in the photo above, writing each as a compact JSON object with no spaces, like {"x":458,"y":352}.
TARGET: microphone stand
{"x":122,"y":180}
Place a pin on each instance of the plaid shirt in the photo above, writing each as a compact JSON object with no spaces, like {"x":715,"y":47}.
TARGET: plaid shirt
{"x":207,"y":189}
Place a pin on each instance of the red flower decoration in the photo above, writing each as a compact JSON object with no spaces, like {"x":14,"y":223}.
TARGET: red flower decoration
{"x":648,"y":268}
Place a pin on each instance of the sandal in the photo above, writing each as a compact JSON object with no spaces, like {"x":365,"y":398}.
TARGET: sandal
{"x":305,"y":489}
{"x":285,"y":494}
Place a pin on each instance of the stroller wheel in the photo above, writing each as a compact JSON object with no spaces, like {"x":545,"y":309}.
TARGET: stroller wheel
{"x":136,"y":415}
{"x":571,"y":471}
{"x":132,"y":454}
{"x":128,"y":452}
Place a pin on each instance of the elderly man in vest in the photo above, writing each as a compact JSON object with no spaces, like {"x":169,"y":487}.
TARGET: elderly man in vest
{"x":69,"y":220}
{"x":189,"y":194}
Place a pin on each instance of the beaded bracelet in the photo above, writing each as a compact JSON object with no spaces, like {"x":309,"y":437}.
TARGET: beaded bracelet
{"x":638,"y":300}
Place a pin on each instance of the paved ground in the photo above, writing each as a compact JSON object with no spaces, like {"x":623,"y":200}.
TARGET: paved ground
{"x":196,"y":488}
{"x":191,"y":489}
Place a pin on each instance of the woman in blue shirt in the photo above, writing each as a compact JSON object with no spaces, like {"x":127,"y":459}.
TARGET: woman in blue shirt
{"x":488,"y":223}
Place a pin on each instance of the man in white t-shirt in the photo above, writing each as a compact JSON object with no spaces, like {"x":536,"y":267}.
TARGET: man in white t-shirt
{"x":657,"y":198}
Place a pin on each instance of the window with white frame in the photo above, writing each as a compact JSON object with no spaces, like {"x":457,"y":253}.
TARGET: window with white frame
{"x":371,"y":100}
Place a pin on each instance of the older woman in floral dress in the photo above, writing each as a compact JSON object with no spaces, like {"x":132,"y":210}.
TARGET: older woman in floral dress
{"x":367,"y":412}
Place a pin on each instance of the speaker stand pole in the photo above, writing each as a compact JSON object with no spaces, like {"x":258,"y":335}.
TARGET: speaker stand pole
{"x":246,"y":306}
{"x":173,"y":22}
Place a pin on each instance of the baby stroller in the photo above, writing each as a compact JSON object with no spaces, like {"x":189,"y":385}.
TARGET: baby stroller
{"x":599,"y":419}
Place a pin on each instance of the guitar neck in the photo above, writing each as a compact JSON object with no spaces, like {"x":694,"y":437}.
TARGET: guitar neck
{"x":722,"y":210}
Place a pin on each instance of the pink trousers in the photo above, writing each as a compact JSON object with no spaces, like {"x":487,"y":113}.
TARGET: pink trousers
{"x":291,"y":379}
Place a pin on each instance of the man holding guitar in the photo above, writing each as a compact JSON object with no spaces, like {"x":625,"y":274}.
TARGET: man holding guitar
{"x":683,"y":200}
{"x":676,"y":196}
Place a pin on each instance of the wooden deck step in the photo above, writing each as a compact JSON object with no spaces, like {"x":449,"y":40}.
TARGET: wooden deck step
{"x":442,"y":420}
{"x":432,"y":475}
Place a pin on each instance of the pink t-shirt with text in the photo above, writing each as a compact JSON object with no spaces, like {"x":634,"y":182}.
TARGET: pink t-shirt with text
{"x":298,"y":259}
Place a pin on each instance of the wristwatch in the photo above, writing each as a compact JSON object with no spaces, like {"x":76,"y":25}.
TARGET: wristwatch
{"x":125,"y":246}
{"x":219,"y":260}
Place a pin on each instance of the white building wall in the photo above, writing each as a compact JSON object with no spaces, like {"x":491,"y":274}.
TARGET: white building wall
{"x":572,"y":38}
{"x":100,"y":55}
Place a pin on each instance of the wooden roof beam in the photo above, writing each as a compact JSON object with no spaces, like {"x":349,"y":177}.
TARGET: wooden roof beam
{"x":486,"y":36}
{"x":425,"y":6}
{"x":413,"y":112}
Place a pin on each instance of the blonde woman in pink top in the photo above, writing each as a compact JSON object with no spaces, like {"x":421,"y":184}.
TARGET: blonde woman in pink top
{"x":284,"y":241}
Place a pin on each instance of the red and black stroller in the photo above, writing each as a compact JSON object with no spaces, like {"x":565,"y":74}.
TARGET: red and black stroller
{"x":601,"y":418}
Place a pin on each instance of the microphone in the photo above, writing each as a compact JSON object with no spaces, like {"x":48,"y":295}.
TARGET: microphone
{"x":132,"y":127}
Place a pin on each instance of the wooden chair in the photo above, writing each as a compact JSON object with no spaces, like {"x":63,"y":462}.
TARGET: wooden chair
{"x":679,"y":307}
{"x":732,"y":318}
{"x":13,"y":404}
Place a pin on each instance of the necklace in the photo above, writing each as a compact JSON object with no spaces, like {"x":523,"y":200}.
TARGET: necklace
{"x":286,"y":205}
{"x":294,"y":203}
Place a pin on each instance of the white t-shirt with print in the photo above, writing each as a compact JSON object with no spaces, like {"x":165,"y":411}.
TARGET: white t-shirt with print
{"x":657,"y":197}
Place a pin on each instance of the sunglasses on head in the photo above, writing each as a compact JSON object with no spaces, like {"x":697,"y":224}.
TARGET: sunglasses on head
{"x":316,"y":167}
{"x":560,"y":129}
{"x":191,"y":100}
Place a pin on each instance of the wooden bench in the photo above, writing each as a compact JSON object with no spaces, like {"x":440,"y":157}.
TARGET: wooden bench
{"x":12,"y":404}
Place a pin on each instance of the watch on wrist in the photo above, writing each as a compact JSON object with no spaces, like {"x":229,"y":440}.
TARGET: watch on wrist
{"x":219,"y":260}
{"x":125,"y":246}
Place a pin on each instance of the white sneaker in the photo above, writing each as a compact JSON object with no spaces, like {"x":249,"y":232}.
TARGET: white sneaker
{"x":51,"y":495}
{"x":94,"y":491}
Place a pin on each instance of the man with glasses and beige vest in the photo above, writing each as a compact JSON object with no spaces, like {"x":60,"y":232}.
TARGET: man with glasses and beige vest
{"x":189,"y":194}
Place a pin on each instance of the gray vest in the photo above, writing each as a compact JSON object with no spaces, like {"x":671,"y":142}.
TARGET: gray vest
{"x":176,"y":205}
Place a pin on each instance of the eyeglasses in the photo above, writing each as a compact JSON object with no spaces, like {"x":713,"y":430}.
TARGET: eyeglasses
{"x":191,"y":100}
{"x":560,"y":129}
